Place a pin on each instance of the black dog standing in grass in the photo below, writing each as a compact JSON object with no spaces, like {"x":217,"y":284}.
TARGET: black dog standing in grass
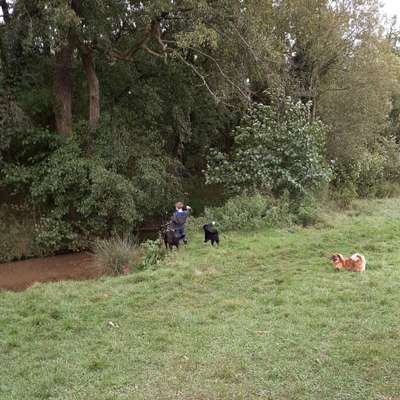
{"x":170,"y":237}
{"x":211,"y":234}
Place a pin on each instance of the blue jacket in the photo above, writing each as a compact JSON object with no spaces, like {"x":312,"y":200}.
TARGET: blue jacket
{"x":178,"y":219}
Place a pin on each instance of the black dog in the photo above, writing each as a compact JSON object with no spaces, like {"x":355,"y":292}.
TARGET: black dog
{"x":170,"y":237}
{"x":211,"y":233}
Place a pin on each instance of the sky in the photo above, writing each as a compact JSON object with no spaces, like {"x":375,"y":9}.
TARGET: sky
{"x":391,"y":7}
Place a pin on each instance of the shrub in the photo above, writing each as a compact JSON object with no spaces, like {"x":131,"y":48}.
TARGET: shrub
{"x":13,"y":124}
{"x":273,"y":152}
{"x":128,"y":149}
{"x":249,"y":211}
{"x":345,"y":196}
{"x":116,"y":255}
{"x":77,"y":198}
{"x":373,"y":172}
{"x":308,"y":212}
{"x":16,"y":233}
{"x":153,"y":253}
{"x":390,"y":150}
{"x":53,"y":234}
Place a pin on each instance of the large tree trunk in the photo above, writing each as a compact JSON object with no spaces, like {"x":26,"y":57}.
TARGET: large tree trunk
{"x":63,"y":90}
{"x":93,"y":86}
{"x":6,"y":12}
{"x":3,"y":47}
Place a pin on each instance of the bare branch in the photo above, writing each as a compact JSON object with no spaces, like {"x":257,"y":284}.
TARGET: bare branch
{"x":152,"y":52}
{"x":199,"y":74}
{"x":245,"y":95}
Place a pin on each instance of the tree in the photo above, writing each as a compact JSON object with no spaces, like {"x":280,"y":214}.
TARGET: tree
{"x":273,"y":152}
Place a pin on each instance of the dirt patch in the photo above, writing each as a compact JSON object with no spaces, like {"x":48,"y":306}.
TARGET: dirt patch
{"x":19,"y":275}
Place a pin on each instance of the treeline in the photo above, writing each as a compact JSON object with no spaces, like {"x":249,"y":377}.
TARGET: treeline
{"x":106,"y":106}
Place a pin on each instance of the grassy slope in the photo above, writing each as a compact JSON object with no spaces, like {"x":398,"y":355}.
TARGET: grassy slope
{"x":264,"y":316}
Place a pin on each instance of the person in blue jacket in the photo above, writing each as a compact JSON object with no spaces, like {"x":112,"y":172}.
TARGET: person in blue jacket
{"x":178,"y":220}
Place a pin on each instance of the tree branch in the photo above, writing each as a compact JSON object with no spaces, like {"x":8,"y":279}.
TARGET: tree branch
{"x":245,"y":95}
{"x":199,"y":74}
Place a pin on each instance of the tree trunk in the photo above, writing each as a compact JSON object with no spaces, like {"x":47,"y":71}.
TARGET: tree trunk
{"x":6,"y":12}
{"x":93,"y":86}
{"x":3,"y":47}
{"x":63,"y":90}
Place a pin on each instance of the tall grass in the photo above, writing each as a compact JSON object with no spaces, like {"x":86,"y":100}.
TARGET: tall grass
{"x":117,"y":255}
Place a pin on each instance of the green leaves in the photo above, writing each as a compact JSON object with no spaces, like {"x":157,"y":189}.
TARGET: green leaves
{"x":273,"y":152}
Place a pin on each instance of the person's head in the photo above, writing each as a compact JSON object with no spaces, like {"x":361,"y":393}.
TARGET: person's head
{"x":179,"y":205}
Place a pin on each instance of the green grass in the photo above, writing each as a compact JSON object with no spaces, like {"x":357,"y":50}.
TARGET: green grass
{"x":262,"y":317}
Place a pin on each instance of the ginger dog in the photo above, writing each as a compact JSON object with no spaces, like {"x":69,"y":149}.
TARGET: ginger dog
{"x":356,"y":263}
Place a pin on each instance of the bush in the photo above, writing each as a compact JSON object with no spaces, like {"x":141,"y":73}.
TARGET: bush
{"x":53,"y":234}
{"x":248,"y":212}
{"x":153,"y":253}
{"x":13,"y":123}
{"x":16,"y":233}
{"x":116,"y":255}
{"x":130,"y":150}
{"x":308,"y":212}
{"x":77,"y":198}
{"x":273,"y":152}
{"x":372,"y":172}
{"x":344,"y":196}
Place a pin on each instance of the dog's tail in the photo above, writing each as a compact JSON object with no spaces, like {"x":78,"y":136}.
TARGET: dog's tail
{"x":339,"y":256}
{"x":359,"y":257}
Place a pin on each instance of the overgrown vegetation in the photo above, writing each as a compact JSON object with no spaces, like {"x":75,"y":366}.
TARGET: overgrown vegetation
{"x":119,"y":255}
{"x":263,"y":315}
{"x":106,"y":110}
{"x":116,"y":255}
{"x":16,"y":233}
{"x":249,"y":212}
{"x":274,"y":152}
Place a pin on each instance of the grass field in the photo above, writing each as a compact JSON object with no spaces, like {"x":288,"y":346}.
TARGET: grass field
{"x":262,"y":317}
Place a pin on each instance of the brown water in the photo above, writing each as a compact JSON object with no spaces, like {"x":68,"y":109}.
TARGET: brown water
{"x":19,"y":275}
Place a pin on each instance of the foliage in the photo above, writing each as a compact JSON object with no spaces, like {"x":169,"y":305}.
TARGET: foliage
{"x":53,"y":234}
{"x":153,"y":253}
{"x":77,"y":198}
{"x":136,"y":152}
{"x":250,"y":211}
{"x":12,"y":122}
{"x":116,"y":255}
{"x":16,"y":233}
{"x":308,"y":212}
{"x":369,"y":171}
{"x":273,"y":152}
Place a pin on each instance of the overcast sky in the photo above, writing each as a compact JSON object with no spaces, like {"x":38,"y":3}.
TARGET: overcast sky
{"x":391,"y":7}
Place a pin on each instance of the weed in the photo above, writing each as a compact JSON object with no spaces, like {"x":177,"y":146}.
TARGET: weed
{"x":116,"y":255}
